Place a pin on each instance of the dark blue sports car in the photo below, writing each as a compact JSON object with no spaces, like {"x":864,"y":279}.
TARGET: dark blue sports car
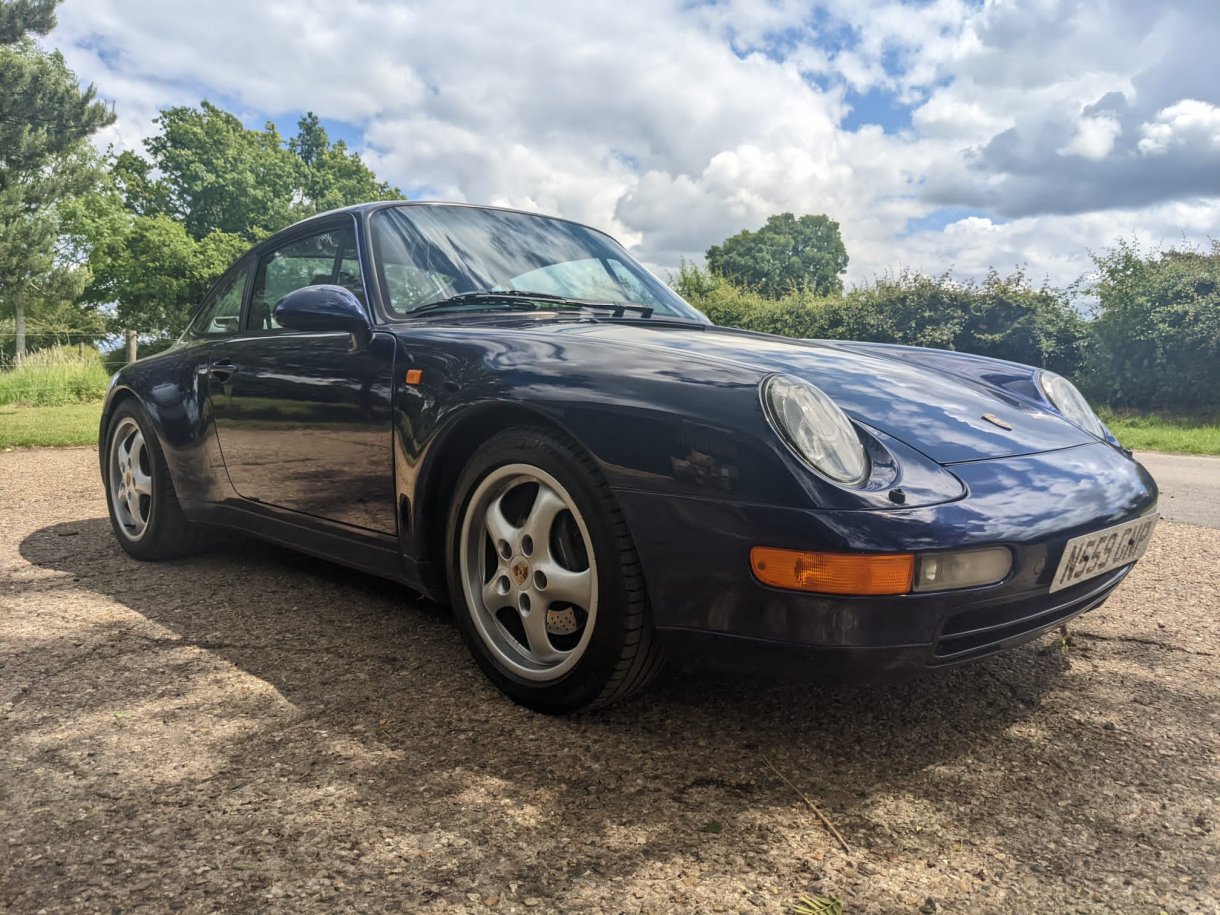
{"x":507,"y":412}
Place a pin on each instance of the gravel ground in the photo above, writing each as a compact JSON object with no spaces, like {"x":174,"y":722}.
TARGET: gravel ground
{"x":250,"y":730}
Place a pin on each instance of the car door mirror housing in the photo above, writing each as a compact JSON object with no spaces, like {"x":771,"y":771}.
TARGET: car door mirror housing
{"x":323,"y":308}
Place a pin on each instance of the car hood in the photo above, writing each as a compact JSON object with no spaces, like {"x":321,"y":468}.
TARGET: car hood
{"x":940,"y":414}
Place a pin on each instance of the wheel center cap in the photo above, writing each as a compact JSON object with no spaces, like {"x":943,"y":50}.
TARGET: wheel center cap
{"x":520,"y":571}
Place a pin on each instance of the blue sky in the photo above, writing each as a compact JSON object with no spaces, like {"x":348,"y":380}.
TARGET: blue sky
{"x":879,"y":106}
{"x":940,"y":133}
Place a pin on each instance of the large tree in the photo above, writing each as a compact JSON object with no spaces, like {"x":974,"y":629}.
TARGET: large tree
{"x":784,"y":255}
{"x":45,"y":118}
{"x":333,"y":175}
{"x":210,"y":172}
{"x":149,"y":269}
{"x":218,"y":174}
{"x":209,"y":187}
{"x":19,"y":17}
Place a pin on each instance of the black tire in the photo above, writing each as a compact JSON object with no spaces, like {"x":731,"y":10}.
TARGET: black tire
{"x":167,"y":532}
{"x":622,"y":655}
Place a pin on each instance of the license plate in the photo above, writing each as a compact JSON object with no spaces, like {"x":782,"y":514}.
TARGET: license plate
{"x":1093,"y":554}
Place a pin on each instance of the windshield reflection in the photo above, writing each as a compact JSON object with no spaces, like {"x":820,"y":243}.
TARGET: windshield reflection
{"x":429,"y":253}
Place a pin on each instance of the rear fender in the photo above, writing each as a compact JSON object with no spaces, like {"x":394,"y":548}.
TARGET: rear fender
{"x":178,"y":407}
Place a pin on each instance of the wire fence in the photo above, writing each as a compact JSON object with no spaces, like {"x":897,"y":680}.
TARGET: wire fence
{"x":85,"y":346}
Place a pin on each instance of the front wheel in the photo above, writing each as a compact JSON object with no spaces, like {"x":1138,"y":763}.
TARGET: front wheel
{"x":544,"y":577}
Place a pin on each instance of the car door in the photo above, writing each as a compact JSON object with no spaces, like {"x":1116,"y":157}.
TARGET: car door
{"x":303,"y":419}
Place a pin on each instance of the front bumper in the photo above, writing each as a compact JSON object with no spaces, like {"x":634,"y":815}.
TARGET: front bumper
{"x":709,"y":607}
{"x":965,"y":636}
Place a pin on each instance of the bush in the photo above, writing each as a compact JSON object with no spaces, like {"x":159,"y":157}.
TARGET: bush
{"x":56,"y":375}
{"x":1003,"y":317}
{"x":1155,"y":342}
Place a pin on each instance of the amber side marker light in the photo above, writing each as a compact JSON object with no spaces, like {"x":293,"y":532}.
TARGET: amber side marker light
{"x":415,"y":376}
{"x":834,"y":573}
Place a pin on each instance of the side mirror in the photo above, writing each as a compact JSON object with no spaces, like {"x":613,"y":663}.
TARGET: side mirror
{"x":323,"y":308}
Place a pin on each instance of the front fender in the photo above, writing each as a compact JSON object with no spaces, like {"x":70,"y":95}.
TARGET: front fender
{"x":671,"y":426}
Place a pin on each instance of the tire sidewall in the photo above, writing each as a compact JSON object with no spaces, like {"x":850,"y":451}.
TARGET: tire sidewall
{"x":150,"y":544}
{"x":584,"y":682}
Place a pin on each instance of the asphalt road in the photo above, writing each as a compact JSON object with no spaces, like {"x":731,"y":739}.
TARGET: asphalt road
{"x":1190,"y":486}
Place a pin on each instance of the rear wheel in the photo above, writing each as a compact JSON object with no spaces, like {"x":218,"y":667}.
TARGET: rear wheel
{"x":544,"y":576}
{"x":144,"y":510}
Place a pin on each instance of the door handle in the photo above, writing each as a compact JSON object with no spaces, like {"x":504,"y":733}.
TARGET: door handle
{"x":222,"y":371}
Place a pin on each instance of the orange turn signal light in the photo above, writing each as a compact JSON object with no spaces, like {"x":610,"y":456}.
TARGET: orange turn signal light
{"x":834,"y":573}
{"x":415,"y":376}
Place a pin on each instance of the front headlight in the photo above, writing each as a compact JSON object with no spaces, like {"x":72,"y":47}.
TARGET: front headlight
{"x":1070,"y":402}
{"x":816,"y":428}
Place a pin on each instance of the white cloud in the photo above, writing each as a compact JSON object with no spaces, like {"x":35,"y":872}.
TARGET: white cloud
{"x":673,"y":125}
{"x":1055,"y":247}
{"x":1094,"y":137}
{"x":1187,"y":123}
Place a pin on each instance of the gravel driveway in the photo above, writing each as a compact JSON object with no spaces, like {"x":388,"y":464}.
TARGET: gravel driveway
{"x":251,"y":730}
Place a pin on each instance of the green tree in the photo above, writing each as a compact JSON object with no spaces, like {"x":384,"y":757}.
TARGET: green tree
{"x":1155,"y":339}
{"x":334,"y":176}
{"x":45,"y":117}
{"x":145,"y":270}
{"x":1008,"y":318}
{"x":217,"y":174}
{"x":153,"y":272}
{"x":141,"y":192}
{"x":210,"y":172}
{"x":56,"y":313}
{"x":786,"y":254}
{"x":209,"y":187}
{"x":20,"y":17}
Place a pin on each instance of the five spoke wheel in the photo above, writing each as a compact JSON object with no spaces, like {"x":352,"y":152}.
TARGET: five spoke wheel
{"x":529,"y":573}
{"x":131,"y":482}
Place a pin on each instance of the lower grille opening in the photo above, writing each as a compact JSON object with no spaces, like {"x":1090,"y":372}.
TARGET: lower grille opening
{"x":982,"y":630}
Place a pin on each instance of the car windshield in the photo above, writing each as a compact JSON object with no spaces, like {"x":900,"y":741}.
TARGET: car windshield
{"x":428,"y":254}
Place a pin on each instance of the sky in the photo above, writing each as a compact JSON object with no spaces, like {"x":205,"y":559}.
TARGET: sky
{"x":941,"y":134}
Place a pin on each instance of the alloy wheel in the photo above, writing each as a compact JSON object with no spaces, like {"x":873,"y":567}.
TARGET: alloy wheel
{"x":131,"y":482}
{"x":528,"y":571}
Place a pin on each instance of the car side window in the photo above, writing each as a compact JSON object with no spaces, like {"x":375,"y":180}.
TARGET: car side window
{"x":221,"y":310}
{"x":325,"y":258}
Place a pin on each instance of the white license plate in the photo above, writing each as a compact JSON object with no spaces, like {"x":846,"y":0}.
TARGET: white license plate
{"x":1090,"y":555}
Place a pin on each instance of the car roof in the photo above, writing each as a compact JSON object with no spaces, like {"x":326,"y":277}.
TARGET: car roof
{"x":357,"y":209}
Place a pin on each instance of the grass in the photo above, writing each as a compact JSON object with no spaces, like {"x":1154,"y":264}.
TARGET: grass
{"x":52,"y":397}
{"x":66,"y":424}
{"x":55,"y":376}
{"x":1156,"y":432}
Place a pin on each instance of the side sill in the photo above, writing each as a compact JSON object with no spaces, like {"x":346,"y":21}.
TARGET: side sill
{"x":377,"y":554}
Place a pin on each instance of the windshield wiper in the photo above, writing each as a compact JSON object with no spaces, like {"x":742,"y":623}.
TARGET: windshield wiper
{"x":473,"y":298}
{"x":526,"y":301}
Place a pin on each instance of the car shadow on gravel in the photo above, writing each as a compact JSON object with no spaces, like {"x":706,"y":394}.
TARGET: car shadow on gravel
{"x":391,"y":734}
